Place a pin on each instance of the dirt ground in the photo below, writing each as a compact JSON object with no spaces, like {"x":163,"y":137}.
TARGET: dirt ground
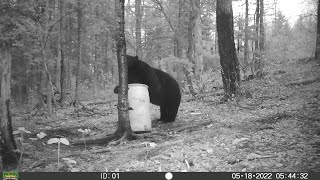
{"x":275,"y":129}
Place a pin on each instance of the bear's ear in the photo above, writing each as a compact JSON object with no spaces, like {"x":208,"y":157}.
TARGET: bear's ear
{"x":136,"y":57}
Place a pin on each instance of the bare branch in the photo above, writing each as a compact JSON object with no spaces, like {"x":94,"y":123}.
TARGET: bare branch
{"x":165,"y":15}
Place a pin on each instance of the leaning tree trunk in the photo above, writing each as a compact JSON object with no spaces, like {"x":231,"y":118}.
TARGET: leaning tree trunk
{"x":7,"y":144}
{"x":228,"y":58}
{"x":317,"y":54}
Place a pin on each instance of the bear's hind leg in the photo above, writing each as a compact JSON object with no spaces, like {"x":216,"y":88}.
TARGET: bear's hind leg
{"x":168,"y":113}
{"x":163,"y":114}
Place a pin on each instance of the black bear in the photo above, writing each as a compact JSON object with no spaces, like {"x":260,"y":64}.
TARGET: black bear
{"x":164,"y":91}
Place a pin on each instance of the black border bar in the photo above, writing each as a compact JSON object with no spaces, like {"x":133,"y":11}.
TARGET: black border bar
{"x":163,"y":175}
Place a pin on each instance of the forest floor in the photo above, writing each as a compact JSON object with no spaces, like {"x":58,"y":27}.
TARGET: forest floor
{"x":277,"y":129}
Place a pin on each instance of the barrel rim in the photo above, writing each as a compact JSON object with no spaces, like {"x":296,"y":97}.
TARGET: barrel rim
{"x":138,"y":84}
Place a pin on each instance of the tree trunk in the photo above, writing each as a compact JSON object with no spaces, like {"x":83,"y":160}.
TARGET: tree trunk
{"x":190,"y":34}
{"x":238,"y":40}
{"x":45,"y":60}
{"x":198,"y":55}
{"x":68,"y":69}
{"x":190,"y":51}
{"x":158,"y":38}
{"x":40,"y":85}
{"x":62,"y":32}
{"x":58,"y":59}
{"x":69,"y":72}
{"x":246,"y":39}
{"x":261,"y":42}
{"x":95,"y":69}
{"x":275,"y":9}
{"x":228,"y":58}
{"x":215,"y":42}
{"x":176,"y":35}
{"x":262,"y":34}
{"x":7,"y":144}
{"x":189,"y":80}
{"x":177,"y":51}
{"x":107,"y":61}
{"x":256,"y":56}
{"x":76,"y":98}
{"x":317,"y":54}
{"x":138,"y":29}
{"x":47,"y":76}
{"x":256,"y":44}
{"x":95,"y":63}
{"x":124,"y":129}
{"x":178,"y":31}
